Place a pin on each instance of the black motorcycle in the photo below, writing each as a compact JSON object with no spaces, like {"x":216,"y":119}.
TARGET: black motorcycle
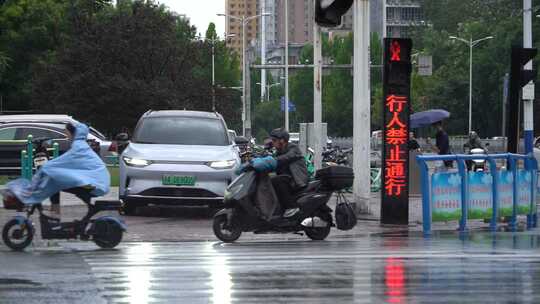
{"x":245,"y":212}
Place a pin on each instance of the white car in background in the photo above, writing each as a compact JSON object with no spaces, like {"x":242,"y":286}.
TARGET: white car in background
{"x":107,"y":148}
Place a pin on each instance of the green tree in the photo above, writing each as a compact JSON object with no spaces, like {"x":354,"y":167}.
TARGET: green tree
{"x":448,"y":87}
{"x":30,"y":31}
{"x":121,"y":62}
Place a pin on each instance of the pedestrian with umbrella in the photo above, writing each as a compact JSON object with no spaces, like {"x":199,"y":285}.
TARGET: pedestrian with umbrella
{"x":434,"y":118}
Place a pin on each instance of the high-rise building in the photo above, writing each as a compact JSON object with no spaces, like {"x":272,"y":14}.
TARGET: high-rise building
{"x":300,"y":23}
{"x":401,"y":15}
{"x":270,"y":22}
{"x":240,"y":8}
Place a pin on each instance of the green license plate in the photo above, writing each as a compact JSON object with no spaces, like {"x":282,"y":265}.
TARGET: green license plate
{"x":174,"y":180}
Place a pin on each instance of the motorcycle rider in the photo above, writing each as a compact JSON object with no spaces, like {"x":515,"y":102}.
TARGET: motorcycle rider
{"x":78,"y":167}
{"x":474,"y":141}
{"x":291,"y":170}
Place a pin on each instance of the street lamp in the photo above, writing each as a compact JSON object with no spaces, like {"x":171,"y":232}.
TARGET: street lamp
{"x":213,"y":41}
{"x":268,"y":87}
{"x":471,"y":44}
{"x":246,"y":107}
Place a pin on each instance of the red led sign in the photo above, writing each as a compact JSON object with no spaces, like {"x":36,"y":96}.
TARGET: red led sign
{"x":395,"y":49}
{"x":396,"y":109}
{"x":396,"y":146}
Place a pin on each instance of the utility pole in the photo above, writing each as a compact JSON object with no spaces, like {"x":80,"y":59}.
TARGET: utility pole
{"x":213,"y":78}
{"x":528,"y":90}
{"x":506,"y":81}
{"x":317,"y":94}
{"x":248,"y":98}
{"x":263,"y":49}
{"x":528,"y":96}
{"x":287,"y":65}
{"x":361,"y":107}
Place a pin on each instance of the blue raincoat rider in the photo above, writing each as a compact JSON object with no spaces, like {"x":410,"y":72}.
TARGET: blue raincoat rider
{"x":80,"y":166}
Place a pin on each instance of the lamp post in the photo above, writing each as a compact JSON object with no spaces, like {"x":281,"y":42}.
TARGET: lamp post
{"x":471,"y":44}
{"x":246,"y":109}
{"x":213,"y":42}
{"x":268,"y":87}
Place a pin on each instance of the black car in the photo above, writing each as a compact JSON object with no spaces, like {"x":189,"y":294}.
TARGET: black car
{"x":10,"y":151}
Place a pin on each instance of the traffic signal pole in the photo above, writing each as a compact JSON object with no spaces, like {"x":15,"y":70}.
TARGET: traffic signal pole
{"x":528,"y":90}
{"x":528,"y":95}
{"x":317,"y":94}
{"x":361,"y":107}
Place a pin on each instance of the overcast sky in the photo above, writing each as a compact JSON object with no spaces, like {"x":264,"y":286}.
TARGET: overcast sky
{"x":200,"y":12}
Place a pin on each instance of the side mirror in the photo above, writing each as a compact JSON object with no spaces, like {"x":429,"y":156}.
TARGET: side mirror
{"x":240,"y":140}
{"x":122,"y":137}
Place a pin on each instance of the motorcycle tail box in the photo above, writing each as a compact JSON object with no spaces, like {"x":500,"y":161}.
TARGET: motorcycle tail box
{"x":335,"y":178}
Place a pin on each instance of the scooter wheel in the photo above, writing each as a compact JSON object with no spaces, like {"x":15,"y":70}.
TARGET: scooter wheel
{"x":319,"y":233}
{"x":109,"y":236}
{"x":17,"y":236}
{"x":224,"y":233}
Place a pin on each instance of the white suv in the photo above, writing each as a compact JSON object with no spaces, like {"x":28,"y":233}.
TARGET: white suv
{"x":177,"y":158}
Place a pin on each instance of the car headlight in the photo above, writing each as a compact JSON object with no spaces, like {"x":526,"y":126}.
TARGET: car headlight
{"x":223,"y":164}
{"x":136,"y":162}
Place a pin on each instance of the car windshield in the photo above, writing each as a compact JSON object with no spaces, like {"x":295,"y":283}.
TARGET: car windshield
{"x":181,"y":131}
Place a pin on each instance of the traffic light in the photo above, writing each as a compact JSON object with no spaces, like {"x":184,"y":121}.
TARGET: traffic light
{"x":519,"y":77}
{"x":328,"y":12}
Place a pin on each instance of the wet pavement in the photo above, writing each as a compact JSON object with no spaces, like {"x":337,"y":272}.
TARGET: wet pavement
{"x":391,"y":267}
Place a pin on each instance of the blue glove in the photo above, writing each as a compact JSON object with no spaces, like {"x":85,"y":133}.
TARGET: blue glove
{"x":241,"y":169}
{"x":264,"y":164}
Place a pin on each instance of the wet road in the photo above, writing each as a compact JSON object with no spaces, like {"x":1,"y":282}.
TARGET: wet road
{"x":372,"y":269}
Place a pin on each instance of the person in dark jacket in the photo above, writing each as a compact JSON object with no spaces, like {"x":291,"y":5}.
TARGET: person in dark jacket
{"x":291,"y":171}
{"x":442,"y":143}
{"x":474,"y":141}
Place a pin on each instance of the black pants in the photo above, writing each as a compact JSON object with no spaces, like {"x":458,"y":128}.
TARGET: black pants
{"x":284,"y":191}
{"x":55,"y":199}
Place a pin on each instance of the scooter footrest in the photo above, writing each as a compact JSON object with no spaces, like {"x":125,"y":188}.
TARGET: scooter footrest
{"x":108,"y":204}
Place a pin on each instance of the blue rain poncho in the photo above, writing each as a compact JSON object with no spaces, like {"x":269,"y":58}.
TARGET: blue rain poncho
{"x":80,"y":166}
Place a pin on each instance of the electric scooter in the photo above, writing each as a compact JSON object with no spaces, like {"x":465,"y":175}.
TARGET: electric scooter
{"x":105,"y":231}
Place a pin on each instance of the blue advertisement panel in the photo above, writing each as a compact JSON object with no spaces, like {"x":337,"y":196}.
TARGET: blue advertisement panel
{"x":445,"y":196}
{"x":506,"y":192}
{"x":524,"y":191}
{"x":480,"y":195}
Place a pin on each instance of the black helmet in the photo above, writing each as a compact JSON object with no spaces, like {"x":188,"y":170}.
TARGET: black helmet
{"x":280,"y":133}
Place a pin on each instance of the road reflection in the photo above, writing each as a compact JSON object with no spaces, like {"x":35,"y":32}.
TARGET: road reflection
{"x":139,"y":278}
{"x":220,"y":276}
{"x":394,"y":275}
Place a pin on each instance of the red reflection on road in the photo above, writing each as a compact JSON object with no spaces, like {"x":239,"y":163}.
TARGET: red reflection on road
{"x":394,"y":274}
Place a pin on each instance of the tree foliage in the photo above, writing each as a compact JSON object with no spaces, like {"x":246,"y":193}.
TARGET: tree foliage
{"x":448,"y":88}
{"x":107,"y":64}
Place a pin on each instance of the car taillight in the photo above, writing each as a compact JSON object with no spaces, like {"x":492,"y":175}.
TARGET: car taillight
{"x":113,"y":147}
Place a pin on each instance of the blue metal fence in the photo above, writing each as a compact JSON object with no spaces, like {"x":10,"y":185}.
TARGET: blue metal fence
{"x":495,"y":173}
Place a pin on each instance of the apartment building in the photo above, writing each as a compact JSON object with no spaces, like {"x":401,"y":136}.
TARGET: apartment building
{"x":233,"y":25}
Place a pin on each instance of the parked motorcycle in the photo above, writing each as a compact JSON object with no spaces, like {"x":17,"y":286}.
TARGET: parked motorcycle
{"x":41,"y":156}
{"x":337,"y":156}
{"x":244,"y":212}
